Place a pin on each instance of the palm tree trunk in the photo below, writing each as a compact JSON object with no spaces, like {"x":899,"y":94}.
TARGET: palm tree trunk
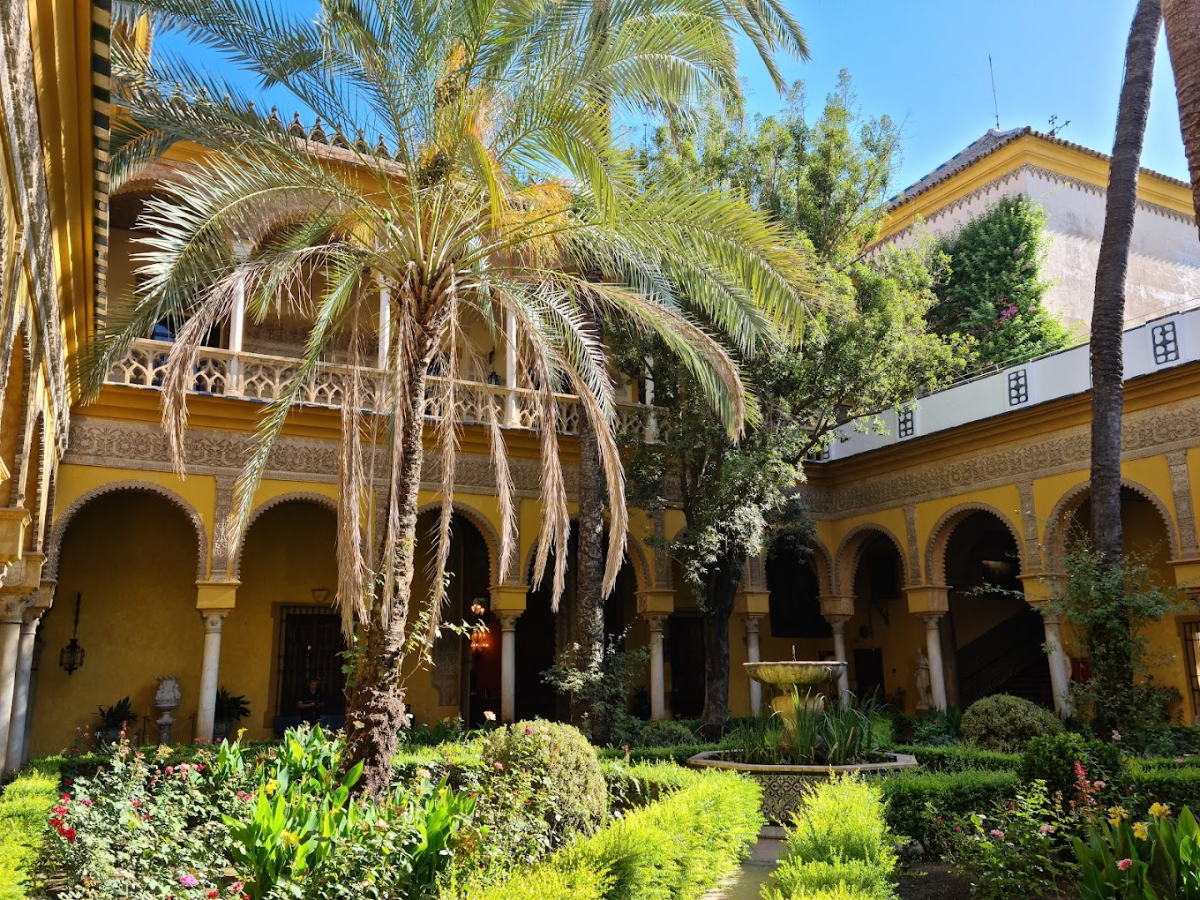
{"x":375,"y":710}
{"x":589,"y":599}
{"x":1114,"y":682}
{"x":1183,"y":43}
{"x":721,"y":590}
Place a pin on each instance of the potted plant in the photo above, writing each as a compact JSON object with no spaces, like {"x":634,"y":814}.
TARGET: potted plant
{"x":229,"y":709}
{"x":113,"y":720}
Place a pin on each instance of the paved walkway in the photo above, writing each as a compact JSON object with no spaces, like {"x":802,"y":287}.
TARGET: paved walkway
{"x":747,"y":882}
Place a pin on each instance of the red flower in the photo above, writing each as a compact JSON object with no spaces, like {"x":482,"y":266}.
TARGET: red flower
{"x":65,"y":797}
{"x":211,"y":895}
{"x":68,"y":833}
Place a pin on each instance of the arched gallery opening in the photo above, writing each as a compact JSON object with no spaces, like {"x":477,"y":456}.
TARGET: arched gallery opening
{"x":882,"y":638}
{"x":794,"y":622}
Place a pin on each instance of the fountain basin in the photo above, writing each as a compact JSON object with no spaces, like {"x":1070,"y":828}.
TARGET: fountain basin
{"x":786,"y":673}
{"x":784,"y":786}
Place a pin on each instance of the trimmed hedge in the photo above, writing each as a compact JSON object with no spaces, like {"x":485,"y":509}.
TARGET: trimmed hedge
{"x":677,"y":847}
{"x":680,"y":754}
{"x":24,"y":809}
{"x":961,"y":758}
{"x":1004,"y":722}
{"x":915,"y":798}
{"x":640,"y":784}
{"x":1177,"y":787}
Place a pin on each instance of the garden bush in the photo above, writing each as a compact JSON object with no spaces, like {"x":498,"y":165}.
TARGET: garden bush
{"x":961,"y":758}
{"x":1177,"y":787}
{"x":924,"y":806}
{"x":664,"y":734}
{"x":631,"y":785}
{"x":1007,"y":723}
{"x":679,"y":754}
{"x":677,"y":847}
{"x":24,"y":808}
{"x":1052,"y":758}
{"x":563,"y":769}
{"x":839,"y":841}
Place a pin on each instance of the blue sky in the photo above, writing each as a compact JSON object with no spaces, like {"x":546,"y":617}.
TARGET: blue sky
{"x":925,"y":63}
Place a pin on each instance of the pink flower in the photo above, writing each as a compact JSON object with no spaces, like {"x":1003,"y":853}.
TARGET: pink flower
{"x":170,"y":770}
{"x":1047,"y":829}
{"x":1124,"y":864}
{"x":236,"y":887}
{"x":1179,"y":760}
{"x":528,"y":730}
{"x":86,"y":801}
{"x":997,"y":833}
{"x":958,"y":828}
{"x":188,"y":880}
{"x":499,"y":766}
{"x":1099,"y":785}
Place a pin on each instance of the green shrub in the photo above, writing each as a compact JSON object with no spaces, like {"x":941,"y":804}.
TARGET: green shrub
{"x":920,"y":805}
{"x":24,"y":808}
{"x":680,"y":754}
{"x":638,"y":784}
{"x":1052,"y":758}
{"x":1171,"y":741}
{"x":1176,"y":787}
{"x":839,"y":840}
{"x":1007,"y":723}
{"x":562,"y":766}
{"x":677,"y":847}
{"x":960,"y":758}
{"x":664,"y":734}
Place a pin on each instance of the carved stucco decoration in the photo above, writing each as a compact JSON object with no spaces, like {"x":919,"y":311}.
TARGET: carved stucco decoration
{"x":914,"y":552}
{"x":1029,"y":523}
{"x":63,"y":522}
{"x":1181,"y":488}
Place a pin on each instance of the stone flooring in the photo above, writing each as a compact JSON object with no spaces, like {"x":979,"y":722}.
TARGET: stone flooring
{"x":747,"y":882}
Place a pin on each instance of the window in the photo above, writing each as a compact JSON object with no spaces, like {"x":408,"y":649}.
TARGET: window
{"x":1165,"y":342}
{"x":907,"y":424}
{"x":1018,"y":387}
{"x":1191,"y":652}
{"x":310,"y":646}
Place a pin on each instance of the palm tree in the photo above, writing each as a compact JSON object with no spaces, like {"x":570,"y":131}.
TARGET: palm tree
{"x":505,"y":191}
{"x":1109,"y":648}
{"x":1182,"y":18}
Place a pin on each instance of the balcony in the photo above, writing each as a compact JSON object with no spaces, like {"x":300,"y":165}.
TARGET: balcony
{"x":255,"y":377}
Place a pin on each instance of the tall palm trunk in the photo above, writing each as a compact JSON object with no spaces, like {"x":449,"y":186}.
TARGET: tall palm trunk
{"x":375,"y":708}
{"x":1183,"y":43}
{"x":589,"y":594}
{"x":1111,"y":640}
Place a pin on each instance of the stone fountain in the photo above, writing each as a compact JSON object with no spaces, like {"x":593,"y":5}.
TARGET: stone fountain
{"x":784,"y":785}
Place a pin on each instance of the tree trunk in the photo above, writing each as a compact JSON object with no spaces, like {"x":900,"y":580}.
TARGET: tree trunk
{"x":718,"y":603}
{"x":375,"y":708}
{"x":589,"y":573}
{"x":1183,"y":43}
{"x":1114,"y":681}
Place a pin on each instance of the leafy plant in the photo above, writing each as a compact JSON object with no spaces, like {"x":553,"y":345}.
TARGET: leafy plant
{"x":1153,"y":859}
{"x":1052,"y":759}
{"x":603,"y":688}
{"x":1002,"y":722}
{"x":664,"y":734}
{"x":835,"y":733}
{"x":230,"y":707}
{"x":117,"y":715}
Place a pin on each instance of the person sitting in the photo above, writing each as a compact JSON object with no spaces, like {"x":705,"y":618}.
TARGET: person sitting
{"x":311,"y":704}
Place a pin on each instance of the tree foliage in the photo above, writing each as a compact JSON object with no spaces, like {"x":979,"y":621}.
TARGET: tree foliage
{"x":992,"y":288}
{"x":867,"y":346}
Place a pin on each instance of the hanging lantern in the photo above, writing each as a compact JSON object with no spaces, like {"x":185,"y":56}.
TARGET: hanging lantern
{"x":481,"y":639}
{"x":70,"y":657}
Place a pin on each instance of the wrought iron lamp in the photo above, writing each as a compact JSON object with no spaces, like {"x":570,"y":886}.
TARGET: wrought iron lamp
{"x":70,"y":657}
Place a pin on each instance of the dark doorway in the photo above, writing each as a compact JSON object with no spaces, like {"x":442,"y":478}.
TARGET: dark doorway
{"x":868,"y":672}
{"x":795,"y":601}
{"x":686,"y":639}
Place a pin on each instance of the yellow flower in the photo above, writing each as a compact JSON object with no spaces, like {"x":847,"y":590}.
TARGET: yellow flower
{"x":1141,"y":831}
{"x":272,"y":787}
{"x":1117,"y":813}
{"x":1160,"y":810}
{"x":290,"y":838}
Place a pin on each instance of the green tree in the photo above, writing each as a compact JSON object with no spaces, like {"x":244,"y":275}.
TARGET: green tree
{"x":498,"y":183}
{"x":867,"y":346}
{"x":993,"y":288}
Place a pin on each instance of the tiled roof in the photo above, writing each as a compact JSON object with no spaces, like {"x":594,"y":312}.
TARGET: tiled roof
{"x":992,"y":141}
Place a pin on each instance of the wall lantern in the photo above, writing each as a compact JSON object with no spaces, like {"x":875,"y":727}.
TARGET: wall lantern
{"x":70,"y":657}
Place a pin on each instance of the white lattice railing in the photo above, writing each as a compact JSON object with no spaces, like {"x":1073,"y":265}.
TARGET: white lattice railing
{"x":252,"y":376}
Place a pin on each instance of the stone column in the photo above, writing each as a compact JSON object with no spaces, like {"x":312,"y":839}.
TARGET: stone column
{"x":837,"y":625}
{"x":385,"y":323}
{"x":1060,"y":679}
{"x":237,"y":327}
{"x":753,"y":654}
{"x":210,"y":664}
{"x":11,"y":621}
{"x":21,"y":688}
{"x":508,"y":667}
{"x":658,"y":682}
{"x":933,"y":646}
{"x":510,"y":370}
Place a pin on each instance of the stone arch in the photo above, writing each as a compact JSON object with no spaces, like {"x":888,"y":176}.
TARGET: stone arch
{"x":491,"y":537}
{"x":311,"y":497}
{"x":939,"y":537}
{"x":1068,"y":503}
{"x":59,"y":531}
{"x":850,"y":549}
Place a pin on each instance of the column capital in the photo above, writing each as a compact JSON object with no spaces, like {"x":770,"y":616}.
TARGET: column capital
{"x":655,"y":621}
{"x":1050,"y":617}
{"x":751,"y":623}
{"x":837,"y":623}
{"x":928,"y":598}
{"x":508,"y":621}
{"x":12,"y":609}
{"x":657,"y":602}
{"x":932,"y":619}
{"x":214,"y":620}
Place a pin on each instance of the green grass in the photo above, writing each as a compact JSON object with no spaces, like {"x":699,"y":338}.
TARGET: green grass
{"x":25,"y":806}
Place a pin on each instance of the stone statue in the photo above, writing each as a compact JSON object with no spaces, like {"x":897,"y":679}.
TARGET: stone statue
{"x":924,"y":688}
{"x":166,"y":700}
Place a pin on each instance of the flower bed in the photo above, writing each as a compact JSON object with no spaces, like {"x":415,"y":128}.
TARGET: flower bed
{"x":24,"y":807}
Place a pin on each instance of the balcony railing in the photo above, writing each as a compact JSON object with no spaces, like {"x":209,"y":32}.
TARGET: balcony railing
{"x":252,"y":376}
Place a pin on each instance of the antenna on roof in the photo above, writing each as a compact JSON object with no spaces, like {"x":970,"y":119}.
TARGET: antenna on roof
{"x":995,"y":102}
{"x":1055,"y":128}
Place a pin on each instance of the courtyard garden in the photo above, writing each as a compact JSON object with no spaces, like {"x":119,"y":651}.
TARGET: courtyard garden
{"x":1005,"y":801}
